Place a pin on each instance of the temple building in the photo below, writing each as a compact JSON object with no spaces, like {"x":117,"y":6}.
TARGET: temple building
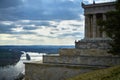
{"x":95,"y":38}
{"x":93,"y":13}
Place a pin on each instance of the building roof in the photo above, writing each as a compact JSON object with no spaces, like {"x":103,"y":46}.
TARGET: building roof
{"x":97,"y":4}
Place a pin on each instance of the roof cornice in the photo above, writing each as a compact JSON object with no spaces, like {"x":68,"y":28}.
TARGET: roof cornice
{"x":97,"y":4}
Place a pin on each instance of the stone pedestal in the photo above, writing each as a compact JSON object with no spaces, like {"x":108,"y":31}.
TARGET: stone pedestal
{"x":93,"y":43}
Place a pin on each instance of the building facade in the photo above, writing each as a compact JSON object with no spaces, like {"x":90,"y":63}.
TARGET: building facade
{"x":93,"y":13}
{"x":95,"y":38}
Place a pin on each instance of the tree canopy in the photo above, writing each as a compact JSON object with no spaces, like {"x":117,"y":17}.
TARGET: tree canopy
{"x":112,"y":28}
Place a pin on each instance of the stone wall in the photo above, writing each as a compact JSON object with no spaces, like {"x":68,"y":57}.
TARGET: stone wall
{"x":67,"y":51}
{"x":86,"y":52}
{"x":83,"y":60}
{"x":38,"y":71}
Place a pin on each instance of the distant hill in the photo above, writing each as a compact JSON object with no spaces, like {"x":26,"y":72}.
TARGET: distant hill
{"x":36,"y":48}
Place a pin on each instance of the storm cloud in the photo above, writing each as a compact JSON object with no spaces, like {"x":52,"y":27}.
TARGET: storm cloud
{"x":10,"y":3}
{"x":41,"y":21}
{"x":39,"y":9}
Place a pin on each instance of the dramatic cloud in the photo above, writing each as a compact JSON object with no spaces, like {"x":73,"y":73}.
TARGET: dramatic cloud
{"x":40,"y":9}
{"x":41,"y":31}
{"x":41,"y":22}
{"x":10,"y":3}
{"x":5,"y":27}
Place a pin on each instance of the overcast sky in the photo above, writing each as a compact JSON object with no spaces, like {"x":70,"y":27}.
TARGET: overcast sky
{"x":42,"y":22}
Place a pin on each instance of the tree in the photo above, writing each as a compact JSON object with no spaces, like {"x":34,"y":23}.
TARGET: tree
{"x":112,"y":28}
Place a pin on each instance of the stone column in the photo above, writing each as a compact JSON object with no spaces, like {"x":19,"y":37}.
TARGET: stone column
{"x":103,"y":33}
{"x":91,"y":26}
{"x":94,"y":26}
{"x":86,"y":26}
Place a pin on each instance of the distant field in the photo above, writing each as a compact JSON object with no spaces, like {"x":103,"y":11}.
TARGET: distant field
{"x":112,"y":73}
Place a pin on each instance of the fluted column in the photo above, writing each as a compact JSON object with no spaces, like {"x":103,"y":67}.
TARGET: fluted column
{"x":91,"y":26}
{"x":86,"y":26}
{"x":104,"y":34}
{"x":94,"y":26}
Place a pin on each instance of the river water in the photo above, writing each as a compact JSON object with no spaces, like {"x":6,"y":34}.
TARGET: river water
{"x":13,"y":57}
{"x":10,"y":72}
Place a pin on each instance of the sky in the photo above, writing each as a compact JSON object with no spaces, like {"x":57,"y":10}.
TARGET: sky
{"x":42,"y":22}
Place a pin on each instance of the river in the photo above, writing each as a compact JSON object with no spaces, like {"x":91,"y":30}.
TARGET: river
{"x":10,"y":72}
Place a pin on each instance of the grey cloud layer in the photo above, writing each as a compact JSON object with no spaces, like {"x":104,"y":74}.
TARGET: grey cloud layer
{"x":6,"y":27}
{"x":9,"y":3}
{"x":41,"y":19}
{"x":74,"y":34}
{"x":39,"y":9}
{"x":30,"y":27}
